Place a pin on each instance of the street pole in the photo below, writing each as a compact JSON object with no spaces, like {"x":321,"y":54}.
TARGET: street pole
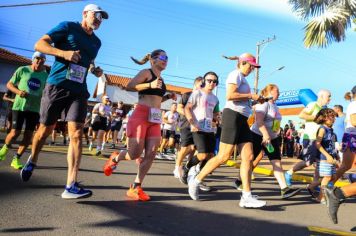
{"x":259,"y":44}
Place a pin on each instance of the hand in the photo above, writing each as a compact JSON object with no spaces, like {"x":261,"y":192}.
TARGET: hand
{"x":194,"y":128}
{"x":73,"y":56}
{"x":255,"y":97}
{"x":22,"y":94}
{"x":156,"y":84}
{"x":97,"y":71}
{"x":330,"y":160}
{"x":266,"y":139}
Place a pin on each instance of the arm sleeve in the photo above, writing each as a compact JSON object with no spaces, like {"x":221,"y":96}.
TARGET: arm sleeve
{"x":216,"y":108}
{"x":262,"y":108}
{"x":192,"y":98}
{"x":59,"y":32}
{"x":16,"y":77}
{"x":96,"y":107}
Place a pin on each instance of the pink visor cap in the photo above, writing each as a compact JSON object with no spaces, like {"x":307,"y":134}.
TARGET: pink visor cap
{"x":250,"y":59}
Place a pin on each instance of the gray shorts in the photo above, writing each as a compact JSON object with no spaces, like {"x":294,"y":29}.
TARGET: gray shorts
{"x":56,"y":100}
{"x":310,"y":153}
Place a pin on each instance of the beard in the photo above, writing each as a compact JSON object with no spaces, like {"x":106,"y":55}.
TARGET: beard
{"x":90,"y":24}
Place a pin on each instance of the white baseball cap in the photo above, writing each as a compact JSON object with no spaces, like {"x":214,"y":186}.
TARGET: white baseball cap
{"x":106,"y":97}
{"x":96,"y":8}
{"x":38,"y":54}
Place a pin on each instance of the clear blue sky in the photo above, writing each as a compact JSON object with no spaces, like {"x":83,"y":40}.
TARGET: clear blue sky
{"x":195,"y":33}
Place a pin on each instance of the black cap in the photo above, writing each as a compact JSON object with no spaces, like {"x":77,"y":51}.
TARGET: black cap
{"x":353,"y":90}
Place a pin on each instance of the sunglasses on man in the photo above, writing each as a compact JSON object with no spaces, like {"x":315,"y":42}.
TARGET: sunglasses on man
{"x":211,"y":81}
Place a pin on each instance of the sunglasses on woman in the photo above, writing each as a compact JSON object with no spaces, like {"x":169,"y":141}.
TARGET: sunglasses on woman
{"x":162,"y":58}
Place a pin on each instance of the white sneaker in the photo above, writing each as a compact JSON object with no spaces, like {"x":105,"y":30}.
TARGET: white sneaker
{"x":178,"y":172}
{"x":170,"y":157}
{"x":193,"y":184}
{"x":159,"y":156}
{"x":193,"y":187}
{"x":251,"y":202}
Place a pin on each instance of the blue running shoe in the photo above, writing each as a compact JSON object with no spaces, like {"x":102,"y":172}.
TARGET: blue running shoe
{"x":75,"y":192}
{"x":351,"y":178}
{"x":288,"y":178}
{"x":27,"y":170}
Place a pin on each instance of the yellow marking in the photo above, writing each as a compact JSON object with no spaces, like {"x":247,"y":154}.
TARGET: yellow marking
{"x":295,"y":177}
{"x":329,"y":231}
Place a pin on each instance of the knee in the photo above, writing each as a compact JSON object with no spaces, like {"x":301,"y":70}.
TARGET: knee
{"x":221,"y":158}
{"x":249,"y":157}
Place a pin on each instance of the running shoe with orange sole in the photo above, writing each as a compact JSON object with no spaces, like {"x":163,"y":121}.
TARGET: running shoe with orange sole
{"x":137,"y":194}
{"x":110,"y":165}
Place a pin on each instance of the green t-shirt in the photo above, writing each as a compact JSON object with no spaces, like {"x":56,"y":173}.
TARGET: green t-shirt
{"x":310,"y":126}
{"x":33,"y":83}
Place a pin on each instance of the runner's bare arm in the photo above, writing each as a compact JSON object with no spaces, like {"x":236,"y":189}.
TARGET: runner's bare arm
{"x":233,"y":95}
{"x":190,"y":116}
{"x":15,"y":90}
{"x":138,"y":82}
{"x":44,"y":45}
{"x":304,"y":114}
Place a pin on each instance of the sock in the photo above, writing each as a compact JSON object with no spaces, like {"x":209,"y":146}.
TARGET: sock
{"x":339,"y":194}
{"x":202,"y":164}
{"x":18,"y":156}
{"x":246,"y":194}
{"x":136,"y":185}
{"x":192,"y":162}
{"x":197,"y":180}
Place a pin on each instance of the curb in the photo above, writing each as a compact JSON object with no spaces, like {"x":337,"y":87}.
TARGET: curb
{"x":295,"y":177}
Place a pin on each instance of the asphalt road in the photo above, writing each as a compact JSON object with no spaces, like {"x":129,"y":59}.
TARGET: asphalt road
{"x":36,"y":208}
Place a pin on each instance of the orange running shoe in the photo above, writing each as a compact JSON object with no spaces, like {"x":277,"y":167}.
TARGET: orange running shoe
{"x":110,"y":165}
{"x":137,"y":194}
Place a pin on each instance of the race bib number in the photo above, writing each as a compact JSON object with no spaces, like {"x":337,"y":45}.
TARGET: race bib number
{"x":205,"y":124}
{"x":276,"y":125}
{"x":155,"y":116}
{"x":76,"y":73}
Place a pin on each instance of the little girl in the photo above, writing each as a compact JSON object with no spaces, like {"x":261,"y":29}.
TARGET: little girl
{"x":325,"y":142}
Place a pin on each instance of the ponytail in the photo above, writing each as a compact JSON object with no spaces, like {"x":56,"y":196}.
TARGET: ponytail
{"x":143,"y":60}
{"x":148,"y":57}
{"x":233,"y":58}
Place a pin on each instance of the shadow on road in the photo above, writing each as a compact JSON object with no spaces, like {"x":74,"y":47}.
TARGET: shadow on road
{"x":164,"y":219}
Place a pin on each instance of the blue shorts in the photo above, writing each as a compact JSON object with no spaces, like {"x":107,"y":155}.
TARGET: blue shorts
{"x":325,"y":169}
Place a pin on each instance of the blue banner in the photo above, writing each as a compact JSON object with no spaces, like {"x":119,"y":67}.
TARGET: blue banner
{"x":295,"y":97}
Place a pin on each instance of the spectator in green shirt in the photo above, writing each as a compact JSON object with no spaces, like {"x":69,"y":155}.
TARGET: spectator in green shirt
{"x":27,"y":83}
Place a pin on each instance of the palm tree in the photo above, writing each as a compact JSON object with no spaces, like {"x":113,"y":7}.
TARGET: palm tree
{"x":328,"y":20}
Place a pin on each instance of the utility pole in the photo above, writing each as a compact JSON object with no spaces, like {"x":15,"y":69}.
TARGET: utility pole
{"x":259,"y":44}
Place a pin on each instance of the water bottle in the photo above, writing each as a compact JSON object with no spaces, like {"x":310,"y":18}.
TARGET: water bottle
{"x":269,"y":147}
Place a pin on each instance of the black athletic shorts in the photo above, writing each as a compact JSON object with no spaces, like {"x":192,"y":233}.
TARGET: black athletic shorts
{"x":168,"y":134}
{"x":100,"y":124}
{"x":205,"y":142}
{"x":234,"y":128}
{"x":186,"y":137}
{"x":257,"y":147}
{"x":116,"y":125}
{"x":30,"y":119}
{"x":56,"y":99}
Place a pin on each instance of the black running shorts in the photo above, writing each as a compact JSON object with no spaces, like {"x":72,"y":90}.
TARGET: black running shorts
{"x":234,"y":128}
